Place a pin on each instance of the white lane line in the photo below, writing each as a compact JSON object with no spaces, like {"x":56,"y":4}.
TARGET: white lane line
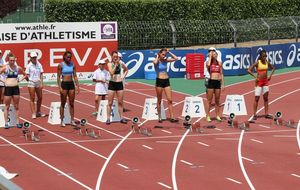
{"x":185,"y":134}
{"x":123,"y":166}
{"x":45,"y":163}
{"x":218,"y":129}
{"x":241,"y":161}
{"x":148,"y":147}
{"x":295,"y":175}
{"x":227,"y":139}
{"x":70,"y":141}
{"x":143,"y":138}
{"x":167,"y":142}
{"x":202,"y":143}
{"x":164,"y":185}
{"x":254,"y":140}
{"x":298,"y":134}
{"x":233,"y":180}
{"x":284,"y":136}
{"x":241,"y":139}
{"x":264,"y":126}
{"x":169,"y":132}
{"x":175,"y":159}
{"x":99,"y":180}
{"x":186,"y":162}
{"x":250,"y":160}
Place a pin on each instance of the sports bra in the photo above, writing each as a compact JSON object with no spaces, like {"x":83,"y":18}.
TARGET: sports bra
{"x":67,"y":70}
{"x":12,"y":73}
{"x":215,"y":68}
{"x":262,"y":67}
{"x":118,"y":69}
{"x":161,"y":67}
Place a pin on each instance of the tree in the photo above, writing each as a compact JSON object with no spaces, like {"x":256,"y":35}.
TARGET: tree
{"x":8,"y":6}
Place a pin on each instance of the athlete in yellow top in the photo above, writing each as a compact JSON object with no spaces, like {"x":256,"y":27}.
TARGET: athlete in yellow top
{"x":261,"y":82}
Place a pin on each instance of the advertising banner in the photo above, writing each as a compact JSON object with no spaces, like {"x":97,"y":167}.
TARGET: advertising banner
{"x":141,"y":61}
{"x":88,"y":41}
{"x":281,"y":55}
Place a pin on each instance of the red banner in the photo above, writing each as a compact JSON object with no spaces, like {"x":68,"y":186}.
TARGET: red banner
{"x":86,"y":55}
{"x":89,"y":42}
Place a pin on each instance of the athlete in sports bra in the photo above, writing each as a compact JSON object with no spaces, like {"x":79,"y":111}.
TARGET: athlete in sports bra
{"x":66,"y":76}
{"x":215,"y":84}
{"x":11,"y":90}
{"x":162,"y":81}
{"x":261,"y":82}
{"x":115,"y":85}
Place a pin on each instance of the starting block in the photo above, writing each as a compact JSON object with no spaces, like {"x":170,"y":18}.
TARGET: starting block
{"x":28,"y":134}
{"x":196,"y":128}
{"x":194,"y":107}
{"x":279,"y":121}
{"x":102,"y":111}
{"x":54,"y":114}
{"x":91,"y":133}
{"x":288,"y":123}
{"x":243,"y":126}
{"x":12,"y":120}
{"x":147,"y":131}
{"x":150,"y":109}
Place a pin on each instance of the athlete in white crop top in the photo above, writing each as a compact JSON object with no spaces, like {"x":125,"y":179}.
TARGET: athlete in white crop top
{"x":34,"y":71}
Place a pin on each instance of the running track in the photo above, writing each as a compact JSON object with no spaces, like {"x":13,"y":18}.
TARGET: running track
{"x":119,"y":159}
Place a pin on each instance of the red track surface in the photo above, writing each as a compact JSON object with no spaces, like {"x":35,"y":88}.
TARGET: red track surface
{"x":204,"y":161}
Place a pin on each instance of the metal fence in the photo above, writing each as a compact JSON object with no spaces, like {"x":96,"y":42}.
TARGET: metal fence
{"x":30,"y":13}
{"x":149,"y":34}
{"x":184,"y":33}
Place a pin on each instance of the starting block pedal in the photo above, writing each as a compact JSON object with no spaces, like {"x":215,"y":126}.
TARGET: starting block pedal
{"x":145,"y":131}
{"x":90,"y":132}
{"x":139,"y":130}
{"x":33,"y":135}
{"x":243,"y":126}
{"x":135,"y":128}
{"x":196,"y":128}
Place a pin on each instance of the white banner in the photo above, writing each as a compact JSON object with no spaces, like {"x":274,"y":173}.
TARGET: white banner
{"x":58,"y":32}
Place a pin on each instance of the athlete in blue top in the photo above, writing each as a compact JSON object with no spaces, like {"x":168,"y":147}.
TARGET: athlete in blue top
{"x":11,"y":90}
{"x":66,"y":76}
{"x":162,"y":81}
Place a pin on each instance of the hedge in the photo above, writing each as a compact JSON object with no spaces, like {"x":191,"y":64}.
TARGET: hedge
{"x":151,"y":10}
{"x":144,"y":24}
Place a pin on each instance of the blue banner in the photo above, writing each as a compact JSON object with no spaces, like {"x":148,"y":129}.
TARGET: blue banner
{"x":281,"y":55}
{"x":235,"y":60}
{"x":141,"y":61}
